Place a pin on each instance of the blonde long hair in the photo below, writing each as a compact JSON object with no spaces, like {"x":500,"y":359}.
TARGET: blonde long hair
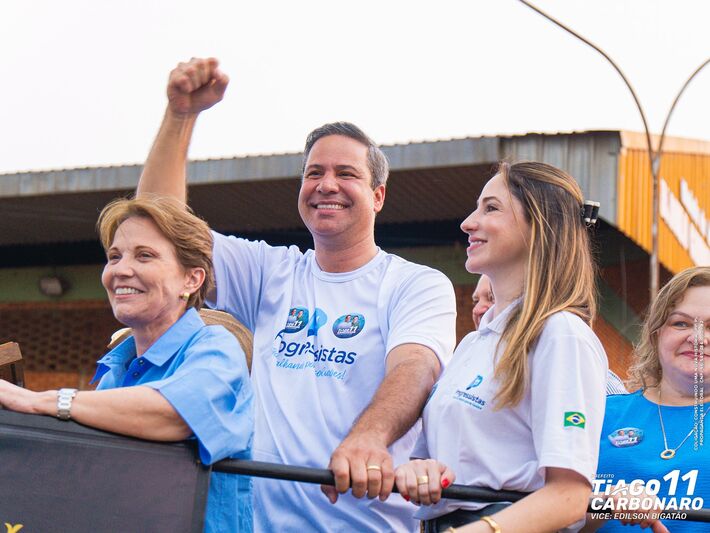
{"x":560,"y":269}
{"x":646,"y":369}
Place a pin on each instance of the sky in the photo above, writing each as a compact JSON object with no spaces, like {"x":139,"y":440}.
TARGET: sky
{"x":84,"y":80}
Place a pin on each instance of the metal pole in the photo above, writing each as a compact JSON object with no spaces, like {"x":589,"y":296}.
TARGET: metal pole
{"x":653,"y":158}
{"x":655,"y":274}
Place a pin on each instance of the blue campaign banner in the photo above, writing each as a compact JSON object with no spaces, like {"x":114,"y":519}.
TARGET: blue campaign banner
{"x":61,"y":476}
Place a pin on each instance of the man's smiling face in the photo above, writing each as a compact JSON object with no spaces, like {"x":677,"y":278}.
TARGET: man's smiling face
{"x":336,"y":200}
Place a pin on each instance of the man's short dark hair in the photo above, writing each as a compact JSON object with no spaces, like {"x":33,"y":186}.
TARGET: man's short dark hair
{"x":376,"y":159}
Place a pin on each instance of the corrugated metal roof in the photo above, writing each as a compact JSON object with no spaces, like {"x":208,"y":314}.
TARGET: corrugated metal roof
{"x":239,"y":169}
{"x":591,"y":157}
{"x":430,"y":181}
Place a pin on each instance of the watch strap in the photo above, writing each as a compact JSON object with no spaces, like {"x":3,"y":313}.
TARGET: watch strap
{"x":64,"y":401}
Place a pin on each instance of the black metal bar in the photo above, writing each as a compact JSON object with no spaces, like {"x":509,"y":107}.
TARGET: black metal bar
{"x":321,"y":476}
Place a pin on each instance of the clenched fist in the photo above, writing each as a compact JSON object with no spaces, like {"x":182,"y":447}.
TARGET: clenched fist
{"x":195,"y":86}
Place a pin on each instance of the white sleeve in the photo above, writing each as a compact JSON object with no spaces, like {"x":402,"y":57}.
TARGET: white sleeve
{"x":423,"y":311}
{"x":567,"y":394}
{"x":240,"y":269}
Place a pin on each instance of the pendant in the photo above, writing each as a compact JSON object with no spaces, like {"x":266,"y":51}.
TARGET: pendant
{"x":667,"y":454}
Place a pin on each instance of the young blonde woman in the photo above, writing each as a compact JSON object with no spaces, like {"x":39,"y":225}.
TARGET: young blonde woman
{"x":656,"y":434}
{"x":521,"y":405}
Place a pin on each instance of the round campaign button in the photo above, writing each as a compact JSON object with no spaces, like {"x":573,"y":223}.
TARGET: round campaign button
{"x":625,"y":437}
{"x":297,"y":319}
{"x":348,"y":325}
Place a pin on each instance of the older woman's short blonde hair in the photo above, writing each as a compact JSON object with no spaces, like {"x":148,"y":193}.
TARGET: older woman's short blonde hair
{"x":646,"y":369}
{"x":189,"y":234}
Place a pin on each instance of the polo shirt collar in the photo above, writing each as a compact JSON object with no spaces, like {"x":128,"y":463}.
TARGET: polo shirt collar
{"x":497,"y":324}
{"x":164,"y":348}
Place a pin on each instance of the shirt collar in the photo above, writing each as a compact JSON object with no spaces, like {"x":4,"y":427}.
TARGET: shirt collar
{"x":341,"y":277}
{"x":497,"y":324}
{"x":162,"y":349}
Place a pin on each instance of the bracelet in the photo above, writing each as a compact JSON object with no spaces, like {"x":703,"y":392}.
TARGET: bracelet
{"x":494,"y":525}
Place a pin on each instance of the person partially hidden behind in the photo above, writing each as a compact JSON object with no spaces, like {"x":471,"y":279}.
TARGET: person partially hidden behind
{"x":483,"y":299}
{"x":656,"y":434}
{"x":174,"y":378}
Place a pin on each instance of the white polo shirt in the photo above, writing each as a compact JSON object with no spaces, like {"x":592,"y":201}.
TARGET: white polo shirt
{"x":557,"y":423}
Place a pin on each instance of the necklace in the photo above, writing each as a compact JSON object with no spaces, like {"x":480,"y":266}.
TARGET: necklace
{"x":669,"y":453}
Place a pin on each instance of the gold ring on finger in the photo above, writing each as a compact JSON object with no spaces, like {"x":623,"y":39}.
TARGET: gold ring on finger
{"x":422,"y":480}
{"x":374,"y":467}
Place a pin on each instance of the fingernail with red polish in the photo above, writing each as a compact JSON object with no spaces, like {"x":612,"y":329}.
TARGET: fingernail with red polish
{"x":445,"y":483}
{"x":405,"y":497}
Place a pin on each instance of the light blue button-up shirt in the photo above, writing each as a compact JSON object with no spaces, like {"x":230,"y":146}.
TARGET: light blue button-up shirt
{"x":201,"y":370}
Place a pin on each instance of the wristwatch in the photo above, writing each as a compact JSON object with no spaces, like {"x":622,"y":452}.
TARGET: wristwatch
{"x":64,"y":399}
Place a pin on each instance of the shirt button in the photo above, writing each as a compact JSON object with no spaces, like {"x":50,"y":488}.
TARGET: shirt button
{"x":136,"y":374}
{"x":141,"y":362}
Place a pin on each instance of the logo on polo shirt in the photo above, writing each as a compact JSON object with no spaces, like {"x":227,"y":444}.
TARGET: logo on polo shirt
{"x":348,"y":325}
{"x":476,"y":382}
{"x":574,"y":419}
{"x":625,"y":437}
{"x":469,"y":398}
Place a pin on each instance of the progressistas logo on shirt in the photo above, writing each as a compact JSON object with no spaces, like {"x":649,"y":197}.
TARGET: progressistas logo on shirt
{"x":312,"y":355}
{"x":348,"y":325}
{"x":476,"y":382}
{"x":469,"y":398}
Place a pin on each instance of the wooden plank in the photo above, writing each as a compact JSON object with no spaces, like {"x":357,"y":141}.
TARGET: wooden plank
{"x":11,"y":366}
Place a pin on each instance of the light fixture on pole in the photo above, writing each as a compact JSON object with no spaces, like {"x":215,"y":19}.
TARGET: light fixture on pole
{"x":654,"y":157}
{"x":53,"y":286}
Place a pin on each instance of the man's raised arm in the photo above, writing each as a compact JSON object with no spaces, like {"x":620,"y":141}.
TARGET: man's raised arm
{"x":192,"y":87}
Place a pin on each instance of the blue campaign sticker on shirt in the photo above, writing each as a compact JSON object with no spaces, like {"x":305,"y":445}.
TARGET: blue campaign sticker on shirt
{"x":348,"y":325}
{"x":625,"y":437}
{"x":297,"y":320}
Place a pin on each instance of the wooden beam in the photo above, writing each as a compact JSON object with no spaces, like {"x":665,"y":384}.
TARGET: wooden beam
{"x":11,"y":363}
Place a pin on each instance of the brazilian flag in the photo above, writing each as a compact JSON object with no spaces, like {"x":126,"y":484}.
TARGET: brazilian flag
{"x":574,"y":419}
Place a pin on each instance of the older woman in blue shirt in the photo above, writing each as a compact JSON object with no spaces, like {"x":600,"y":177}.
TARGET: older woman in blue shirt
{"x":175,"y":377}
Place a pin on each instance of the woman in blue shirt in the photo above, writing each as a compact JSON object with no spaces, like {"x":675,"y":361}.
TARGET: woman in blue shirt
{"x":652,"y":440}
{"x":175,"y":377}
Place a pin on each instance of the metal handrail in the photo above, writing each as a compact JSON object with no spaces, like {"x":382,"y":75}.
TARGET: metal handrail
{"x":321,"y":476}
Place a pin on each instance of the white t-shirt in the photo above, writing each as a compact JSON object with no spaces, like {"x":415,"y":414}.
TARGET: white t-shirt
{"x":314,"y":373}
{"x":557,"y":423}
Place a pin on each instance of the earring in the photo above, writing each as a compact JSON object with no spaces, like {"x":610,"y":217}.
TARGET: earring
{"x":185,"y":296}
